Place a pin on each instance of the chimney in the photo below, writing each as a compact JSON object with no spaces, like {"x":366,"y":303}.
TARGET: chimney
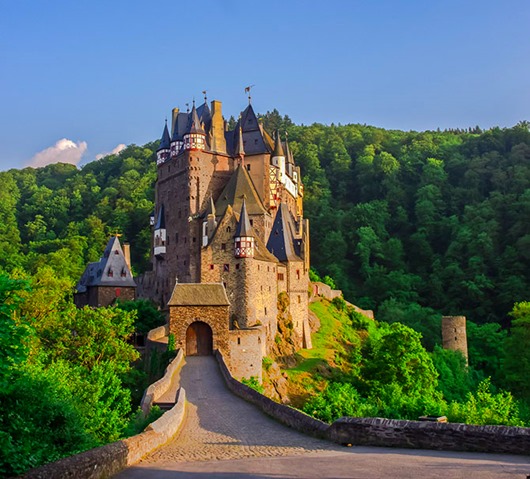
{"x":174,"y":115}
{"x":217,"y":129}
{"x":127,"y":254}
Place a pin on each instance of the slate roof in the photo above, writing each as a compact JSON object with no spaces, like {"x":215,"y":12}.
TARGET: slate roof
{"x":179,"y":127}
{"x":194,"y":124}
{"x":113,"y":260}
{"x":165,"y":140}
{"x":203,"y":112}
{"x":253,"y":137}
{"x":282,"y":242}
{"x":161,"y":220}
{"x":198,"y":294}
{"x":243,"y":225}
{"x":240,"y":186}
{"x":278,"y":148}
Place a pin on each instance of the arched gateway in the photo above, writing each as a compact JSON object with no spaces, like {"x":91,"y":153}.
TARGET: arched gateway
{"x":199,"y":339}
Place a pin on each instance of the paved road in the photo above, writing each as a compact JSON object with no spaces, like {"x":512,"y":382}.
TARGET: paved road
{"x":224,"y":437}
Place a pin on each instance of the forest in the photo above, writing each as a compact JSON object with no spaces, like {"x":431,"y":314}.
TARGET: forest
{"x":413,"y":225}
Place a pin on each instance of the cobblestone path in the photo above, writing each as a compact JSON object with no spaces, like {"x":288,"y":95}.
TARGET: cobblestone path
{"x":220,"y":425}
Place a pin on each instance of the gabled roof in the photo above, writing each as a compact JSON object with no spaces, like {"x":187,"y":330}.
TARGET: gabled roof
{"x":282,"y":242}
{"x":240,"y":186}
{"x":113,"y":261}
{"x":165,"y":140}
{"x":243,"y":225}
{"x":198,"y":294}
{"x":161,"y":220}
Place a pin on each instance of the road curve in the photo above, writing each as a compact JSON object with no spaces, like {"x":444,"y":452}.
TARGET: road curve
{"x":223,"y":436}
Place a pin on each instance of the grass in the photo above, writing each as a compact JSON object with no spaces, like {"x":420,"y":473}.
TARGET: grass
{"x":331,"y":346}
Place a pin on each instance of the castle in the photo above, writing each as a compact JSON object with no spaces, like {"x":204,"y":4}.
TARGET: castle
{"x":229,"y":237}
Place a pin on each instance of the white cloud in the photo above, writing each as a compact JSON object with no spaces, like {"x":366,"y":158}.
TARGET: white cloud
{"x":64,"y":151}
{"x":115,"y":151}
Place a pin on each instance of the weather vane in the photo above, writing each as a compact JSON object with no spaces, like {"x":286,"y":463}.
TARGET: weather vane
{"x":187,"y":107}
{"x":204,"y":93}
{"x":247,"y":90}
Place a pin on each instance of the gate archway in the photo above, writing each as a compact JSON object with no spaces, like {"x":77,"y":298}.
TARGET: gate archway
{"x":199,"y":339}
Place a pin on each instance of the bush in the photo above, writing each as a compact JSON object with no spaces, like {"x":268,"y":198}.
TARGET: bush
{"x":253,"y":383}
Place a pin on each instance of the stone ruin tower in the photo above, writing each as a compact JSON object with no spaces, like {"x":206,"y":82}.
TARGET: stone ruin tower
{"x":454,"y":334}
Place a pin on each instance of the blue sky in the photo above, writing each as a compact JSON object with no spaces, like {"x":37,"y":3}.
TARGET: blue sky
{"x":79,"y":78}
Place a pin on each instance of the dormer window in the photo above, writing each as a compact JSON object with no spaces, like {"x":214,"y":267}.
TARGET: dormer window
{"x":110,"y":273}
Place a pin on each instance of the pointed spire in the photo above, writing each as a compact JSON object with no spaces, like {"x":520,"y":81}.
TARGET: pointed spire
{"x":243,"y":227}
{"x":278,"y":148}
{"x":195,"y":126}
{"x":210,"y":210}
{"x":288,"y":154}
{"x":240,"y":148}
{"x":165,"y":140}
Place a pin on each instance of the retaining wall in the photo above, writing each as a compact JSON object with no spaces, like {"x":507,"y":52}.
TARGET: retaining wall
{"x":105,"y":461}
{"x":156,"y":390}
{"x":430,"y":435}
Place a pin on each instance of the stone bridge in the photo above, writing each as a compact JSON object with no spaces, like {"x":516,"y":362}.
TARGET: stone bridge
{"x":224,"y":436}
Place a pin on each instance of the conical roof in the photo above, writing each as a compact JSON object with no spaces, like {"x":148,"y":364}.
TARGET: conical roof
{"x":165,"y":140}
{"x":195,"y":125}
{"x":205,"y":117}
{"x":243,"y":226}
{"x":240,"y":144}
{"x":278,"y":148}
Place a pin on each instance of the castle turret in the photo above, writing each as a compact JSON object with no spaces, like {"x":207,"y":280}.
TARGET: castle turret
{"x":244,"y":236}
{"x":195,"y":136}
{"x":160,"y":234}
{"x":176,"y":139}
{"x":240,"y":145}
{"x":162,"y":154}
{"x":278,"y":156}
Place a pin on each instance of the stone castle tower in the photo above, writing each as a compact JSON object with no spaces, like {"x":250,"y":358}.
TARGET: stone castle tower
{"x":454,"y":335}
{"x":228,"y":229}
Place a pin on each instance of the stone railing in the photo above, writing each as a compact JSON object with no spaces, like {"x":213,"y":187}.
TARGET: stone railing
{"x":287,"y":415}
{"x":156,"y":390}
{"x":389,"y":432}
{"x":158,"y":333}
{"x":105,"y":461}
{"x":430,"y":435}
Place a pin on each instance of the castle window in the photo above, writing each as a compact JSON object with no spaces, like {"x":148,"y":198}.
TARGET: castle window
{"x":259,"y":339}
{"x":223,"y":246}
{"x":110,"y":274}
{"x":280,"y":276}
{"x":228,"y":229}
{"x":299,"y":299}
{"x":123,"y":273}
{"x":248,"y":167}
{"x":194,"y":240}
{"x":211,"y":266}
{"x":258,"y":267}
{"x":117,"y":252}
{"x":297,"y":274}
{"x":268,"y":268}
{"x":256,"y":141}
{"x":238,"y":341}
{"x":265,"y":310}
{"x":237,"y":265}
{"x":224,"y":284}
{"x":226,"y":267}
{"x":176,"y":237}
{"x":251,"y":222}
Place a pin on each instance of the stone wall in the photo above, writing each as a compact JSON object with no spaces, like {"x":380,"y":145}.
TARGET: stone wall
{"x":246,"y":352}
{"x":454,"y":334}
{"x":106,"y":461}
{"x":430,"y":435}
{"x":156,"y":390}
{"x":180,"y":318}
{"x":319,"y":289}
